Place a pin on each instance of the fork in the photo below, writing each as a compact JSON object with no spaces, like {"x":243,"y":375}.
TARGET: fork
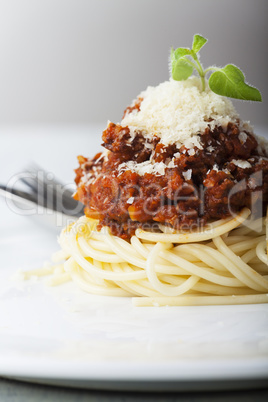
{"x":41,"y":188}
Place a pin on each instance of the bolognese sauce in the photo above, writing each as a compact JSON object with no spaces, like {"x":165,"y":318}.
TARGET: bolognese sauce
{"x":141,"y":180}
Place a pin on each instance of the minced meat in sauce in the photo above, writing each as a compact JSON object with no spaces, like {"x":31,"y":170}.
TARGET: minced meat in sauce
{"x":227,"y":174}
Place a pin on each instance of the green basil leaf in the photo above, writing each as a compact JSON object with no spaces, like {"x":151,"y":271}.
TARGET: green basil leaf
{"x":230,"y":81}
{"x":198,"y":43}
{"x":180,"y":68}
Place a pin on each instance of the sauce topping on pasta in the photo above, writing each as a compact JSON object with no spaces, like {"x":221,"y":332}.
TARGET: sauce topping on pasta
{"x":148,"y":175}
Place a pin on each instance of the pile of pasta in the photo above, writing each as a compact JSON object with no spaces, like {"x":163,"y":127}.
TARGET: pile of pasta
{"x":225,"y":263}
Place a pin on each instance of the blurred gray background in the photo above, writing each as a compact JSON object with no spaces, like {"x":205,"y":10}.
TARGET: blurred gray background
{"x":77,"y":62}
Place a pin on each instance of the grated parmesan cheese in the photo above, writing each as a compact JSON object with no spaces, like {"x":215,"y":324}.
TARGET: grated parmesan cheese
{"x":242,"y":137}
{"x":157,"y":168}
{"x":262,"y":145}
{"x":130,"y":200}
{"x":151,"y":167}
{"x":252,"y":183}
{"x":171,"y":164}
{"x":188,"y":174}
{"x":210,"y":149}
{"x":240,"y":163}
{"x":225,"y":170}
{"x":177,"y":111}
{"x":191,"y":152}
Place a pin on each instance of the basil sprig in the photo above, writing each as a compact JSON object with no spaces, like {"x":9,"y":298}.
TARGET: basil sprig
{"x":227,"y":81}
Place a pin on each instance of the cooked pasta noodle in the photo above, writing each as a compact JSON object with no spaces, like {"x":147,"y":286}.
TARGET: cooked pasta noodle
{"x":226,"y":263}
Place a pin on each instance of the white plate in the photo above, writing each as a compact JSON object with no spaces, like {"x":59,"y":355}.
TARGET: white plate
{"x":64,"y":336}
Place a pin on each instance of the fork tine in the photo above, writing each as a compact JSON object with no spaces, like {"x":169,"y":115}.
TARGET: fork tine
{"x":51,"y":193}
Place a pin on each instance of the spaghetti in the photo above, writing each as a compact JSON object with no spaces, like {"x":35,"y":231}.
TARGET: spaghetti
{"x":226,"y":263}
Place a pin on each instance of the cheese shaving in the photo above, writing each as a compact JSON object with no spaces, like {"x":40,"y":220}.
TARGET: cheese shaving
{"x":188,"y":174}
{"x":242,"y":164}
{"x":178,"y":111}
{"x":157,"y":168}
